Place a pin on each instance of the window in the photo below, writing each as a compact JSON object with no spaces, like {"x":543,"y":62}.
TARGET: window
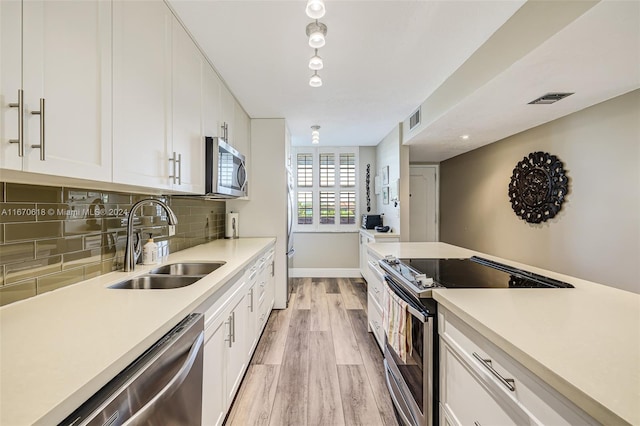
{"x":326,"y":189}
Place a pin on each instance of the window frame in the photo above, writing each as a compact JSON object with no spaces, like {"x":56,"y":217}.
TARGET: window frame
{"x":315,"y":189}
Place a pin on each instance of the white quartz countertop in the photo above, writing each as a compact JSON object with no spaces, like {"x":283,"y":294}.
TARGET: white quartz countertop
{"x":59,"y":348}
{"x":378,"y":235}
{"x":584,"y":342}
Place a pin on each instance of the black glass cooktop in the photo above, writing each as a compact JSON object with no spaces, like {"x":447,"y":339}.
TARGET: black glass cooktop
{"x":476,"y":272}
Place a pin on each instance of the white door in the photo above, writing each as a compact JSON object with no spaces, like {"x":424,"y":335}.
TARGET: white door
{"x":188,"y":140}
{"x":423,"y":204}
{"x":142,"y":93}
{"x":213,"y":373}
{"x":236,"y":354}
{"x":67,"y":62}
{"x":10,"y":81}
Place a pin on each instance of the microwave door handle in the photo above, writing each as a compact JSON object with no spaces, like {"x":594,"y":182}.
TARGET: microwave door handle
{"x":242,"y":170}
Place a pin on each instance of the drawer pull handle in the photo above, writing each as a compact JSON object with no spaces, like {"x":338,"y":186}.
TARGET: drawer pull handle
{"x":509,"y":383}
{"x":476,"y":424}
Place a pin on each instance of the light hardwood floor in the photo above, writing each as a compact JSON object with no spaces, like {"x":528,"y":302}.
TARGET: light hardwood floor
{"x":316,"y":364}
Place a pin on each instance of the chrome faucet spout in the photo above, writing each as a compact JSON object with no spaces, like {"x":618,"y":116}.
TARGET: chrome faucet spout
{"x":132,"y":250}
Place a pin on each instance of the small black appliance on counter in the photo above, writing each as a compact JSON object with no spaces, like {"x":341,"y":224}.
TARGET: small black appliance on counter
{"x":370,"y":221}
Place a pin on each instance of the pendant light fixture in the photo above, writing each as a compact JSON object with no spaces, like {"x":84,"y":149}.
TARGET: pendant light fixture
{"x":315,"y":9}
{"x":315,"y":63}
{"x":316,"y":31}
{"x":315,"y":134}
{"x":315,"y":80}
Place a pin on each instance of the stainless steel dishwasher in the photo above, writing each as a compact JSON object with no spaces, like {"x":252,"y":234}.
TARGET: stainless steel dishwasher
{"x":162,"y":387}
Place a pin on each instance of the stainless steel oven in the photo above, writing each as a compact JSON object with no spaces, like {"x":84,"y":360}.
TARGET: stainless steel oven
{"x":413,"y":382}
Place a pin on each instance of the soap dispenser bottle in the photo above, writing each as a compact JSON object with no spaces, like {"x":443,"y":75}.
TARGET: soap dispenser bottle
{"x":150,"y":252}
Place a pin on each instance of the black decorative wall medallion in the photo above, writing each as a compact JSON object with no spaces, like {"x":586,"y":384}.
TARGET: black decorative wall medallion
{"x":538,"y":187}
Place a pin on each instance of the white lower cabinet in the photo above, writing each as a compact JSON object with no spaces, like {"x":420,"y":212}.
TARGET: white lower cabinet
{"x":234,"y":322}
{"x":482,"y":385}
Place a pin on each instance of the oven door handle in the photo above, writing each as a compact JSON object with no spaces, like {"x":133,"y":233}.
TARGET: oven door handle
{"x":413,"y":308}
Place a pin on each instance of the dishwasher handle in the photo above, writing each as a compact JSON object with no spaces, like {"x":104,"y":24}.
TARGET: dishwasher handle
{"x":142,"y":415}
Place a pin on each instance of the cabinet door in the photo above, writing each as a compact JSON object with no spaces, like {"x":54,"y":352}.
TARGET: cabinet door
{"x":213,"y":394}
{"x":67,"y":62}
{"x":236,"y":359}
{"x":10,"y":81}
{"x":363,"y":256}
{"x":142,"y":93}
{"x":227,"y":112}
{"x":188,"y":139}
{"x":241,"y":130}
{"x":211,"y":102}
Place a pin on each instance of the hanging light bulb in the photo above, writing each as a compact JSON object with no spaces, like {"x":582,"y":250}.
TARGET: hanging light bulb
{"x":315,"y":9}
{"x":315,"y":80}
{"x":316,"y":32}
{"x":315,"y":134}
{"x":315,"y":63}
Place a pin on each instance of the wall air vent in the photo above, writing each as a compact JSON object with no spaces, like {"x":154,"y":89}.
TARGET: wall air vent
{"x":550,"y":98}
{"x":414,"y":120}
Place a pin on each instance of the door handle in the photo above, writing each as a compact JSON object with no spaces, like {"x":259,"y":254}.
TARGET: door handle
{"x":42,"y":136}
{"x":508,"y":383}
{"x":143,"y":414}
{"x":20,"y":106}
{"x":229,"y":339}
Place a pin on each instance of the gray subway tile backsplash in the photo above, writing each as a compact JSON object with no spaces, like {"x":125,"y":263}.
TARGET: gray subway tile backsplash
{"x":51,"y":237}
{"x":17,"y":192}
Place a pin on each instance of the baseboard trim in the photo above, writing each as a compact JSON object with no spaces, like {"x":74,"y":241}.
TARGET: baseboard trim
{"x":324,"y":272}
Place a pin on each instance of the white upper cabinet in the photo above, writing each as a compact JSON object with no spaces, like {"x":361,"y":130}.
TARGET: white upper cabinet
{"x":158,"y":100}
{"x":66,"y":81}
{"x":241,"y":131}
{"x":142,"y":93}
{"x":227,"y":113}
{"x":188,"y":112}
{"x":211,"y":110}
{"x":10,"y":82}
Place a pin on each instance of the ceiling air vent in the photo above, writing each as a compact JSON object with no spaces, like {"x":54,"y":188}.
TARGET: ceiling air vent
{"x":550,"y":98}
{"x":414,"y":120}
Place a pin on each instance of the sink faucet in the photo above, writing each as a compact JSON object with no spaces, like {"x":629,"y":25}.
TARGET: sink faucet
{"x":131,"y":251}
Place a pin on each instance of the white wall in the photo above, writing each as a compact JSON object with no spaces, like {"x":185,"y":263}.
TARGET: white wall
{"x":596,"y":235}
{"x":388,"y":154}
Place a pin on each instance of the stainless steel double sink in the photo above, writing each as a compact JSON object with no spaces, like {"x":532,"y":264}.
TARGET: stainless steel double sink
{"x":173,"y":275}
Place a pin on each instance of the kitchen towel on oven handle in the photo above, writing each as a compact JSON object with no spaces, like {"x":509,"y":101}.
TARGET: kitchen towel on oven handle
{"x":396,"y":322}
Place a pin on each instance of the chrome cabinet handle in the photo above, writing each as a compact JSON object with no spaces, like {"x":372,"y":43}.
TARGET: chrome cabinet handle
{"x":233,"y":326}
{"x":273,"y":268}
{"x":20,"y":106}
{"x":509,"y":383}
{"x":251,"y":299}
{"x":179,"y":161}
{"x":228,"y":339}
{"x":41,"y":144}
{"x":143,"y":415}
{"x":177,"y":168}
{"x":476,"y":424}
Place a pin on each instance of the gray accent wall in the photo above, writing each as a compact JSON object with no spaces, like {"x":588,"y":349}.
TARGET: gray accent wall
{"x":596,"y":235}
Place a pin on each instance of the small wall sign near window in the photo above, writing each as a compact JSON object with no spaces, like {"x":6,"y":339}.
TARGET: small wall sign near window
{"x":538,"y":187}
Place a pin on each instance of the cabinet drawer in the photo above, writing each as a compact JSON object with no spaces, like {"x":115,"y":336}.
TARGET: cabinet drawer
{"x":374,"y":316}
{"x":466,"y":400}
{"x":506,"y":378}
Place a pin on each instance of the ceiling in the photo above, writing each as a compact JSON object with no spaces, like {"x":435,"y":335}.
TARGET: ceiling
{"x":472,"y":65}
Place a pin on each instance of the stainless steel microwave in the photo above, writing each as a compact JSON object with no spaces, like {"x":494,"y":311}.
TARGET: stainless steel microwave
{"x":225,"y":170}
